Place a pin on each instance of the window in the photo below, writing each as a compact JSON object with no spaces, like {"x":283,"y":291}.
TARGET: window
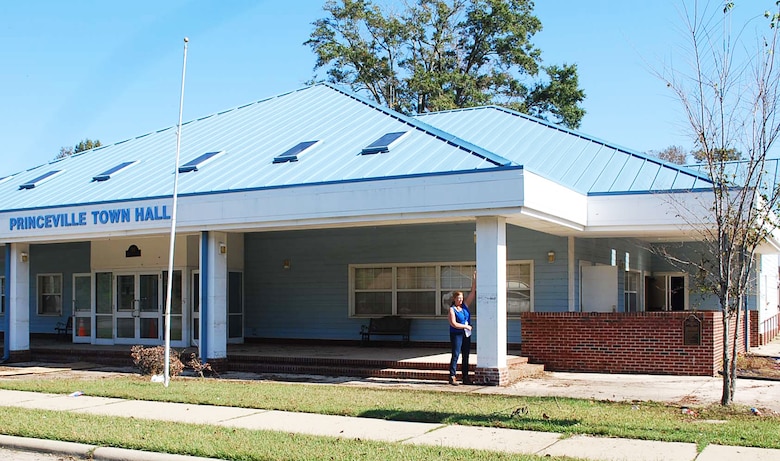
{"x":425,"y":290}
{"x":666,"y":292}
{"x":383,"y":144}
{"x":106,"y":175}
{"x":40,"y":179}
{"x":518,"y":288}
{"x":199,"y":161}
{"x":2,"y":295}
{"x":291,"y":154}
{"x":50,"y":294}
{"x":631,"y":291}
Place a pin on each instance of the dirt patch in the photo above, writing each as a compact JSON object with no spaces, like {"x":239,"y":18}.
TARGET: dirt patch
{"x":756,"y":366}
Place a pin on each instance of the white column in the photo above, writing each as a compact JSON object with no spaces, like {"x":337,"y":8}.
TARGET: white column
{"x":214,"y":300}
{"x":491,"y":300}
{"x":19,"y":298}
{"x":571,"y":271}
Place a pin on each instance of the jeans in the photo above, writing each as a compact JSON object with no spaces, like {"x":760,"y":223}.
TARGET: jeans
{"x":460,"y":345}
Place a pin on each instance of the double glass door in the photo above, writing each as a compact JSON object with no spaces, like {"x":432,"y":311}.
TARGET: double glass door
{"x":138,"y":307}
{"x":130,"y":307}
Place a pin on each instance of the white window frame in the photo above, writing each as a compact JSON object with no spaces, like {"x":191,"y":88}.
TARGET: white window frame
{"x":41,"y":294}
{"x":639,"y":293}
{"x":667,"y":276}
{"x":436,"y":311}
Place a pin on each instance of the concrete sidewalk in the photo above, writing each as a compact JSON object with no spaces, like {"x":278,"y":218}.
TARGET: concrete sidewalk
{"x":678,"y":390}
{"x":495,"y":439}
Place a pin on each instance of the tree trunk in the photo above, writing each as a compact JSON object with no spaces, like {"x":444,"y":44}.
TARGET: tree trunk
{"x":728,"y":379}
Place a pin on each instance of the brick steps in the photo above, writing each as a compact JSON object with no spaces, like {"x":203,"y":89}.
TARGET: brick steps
{"x":519,"y":368}
{"x":420,"y":370}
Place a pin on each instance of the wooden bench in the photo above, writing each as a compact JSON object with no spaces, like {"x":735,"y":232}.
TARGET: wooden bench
{"x":391,"y":325}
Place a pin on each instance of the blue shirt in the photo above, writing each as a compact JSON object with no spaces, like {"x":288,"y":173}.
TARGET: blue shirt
{"x":464,"y":317}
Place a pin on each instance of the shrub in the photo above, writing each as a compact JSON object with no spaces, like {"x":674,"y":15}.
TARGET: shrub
{"x":201,"y":367}
{"x":151,"y":360}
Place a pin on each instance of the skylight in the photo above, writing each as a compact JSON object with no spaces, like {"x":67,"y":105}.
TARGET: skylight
{"x":39,"y":180}
{"x":383,"y":144}
{"x":291,"y":154}
{"x":199,"y":161}
{"x":106,"y":175}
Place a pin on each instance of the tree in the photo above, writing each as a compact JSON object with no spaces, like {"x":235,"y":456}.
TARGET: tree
{"x":724,"y":153}
{"x":84,"y":144}
{"x":672,"y":154}
{"x":731,"y":99}
{"x":445,"y":54}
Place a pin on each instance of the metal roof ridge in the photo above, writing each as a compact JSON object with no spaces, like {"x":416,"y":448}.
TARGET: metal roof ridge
{"x":422,"y":126}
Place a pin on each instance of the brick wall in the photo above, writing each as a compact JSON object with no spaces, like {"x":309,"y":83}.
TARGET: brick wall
{"x":643,"y":342}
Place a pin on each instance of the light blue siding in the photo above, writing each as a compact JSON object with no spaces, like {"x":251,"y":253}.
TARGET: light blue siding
{"x":311,"y":299}
{"x":63,"y":258}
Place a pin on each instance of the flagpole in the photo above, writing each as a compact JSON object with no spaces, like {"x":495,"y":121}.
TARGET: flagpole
{"x":167,"y":366}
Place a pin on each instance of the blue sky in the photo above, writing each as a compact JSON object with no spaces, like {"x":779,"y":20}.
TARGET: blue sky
{"x":111,"y":70}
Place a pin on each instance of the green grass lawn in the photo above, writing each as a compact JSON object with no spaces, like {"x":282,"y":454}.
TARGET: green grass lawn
{"x":643,"y":420}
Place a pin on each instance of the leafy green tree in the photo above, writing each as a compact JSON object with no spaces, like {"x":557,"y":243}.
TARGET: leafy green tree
{"x":724,"y":154}
{"x":444,"y":54}
{"x":84,"y":144}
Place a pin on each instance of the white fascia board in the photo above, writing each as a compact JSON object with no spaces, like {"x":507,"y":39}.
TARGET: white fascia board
{"x":644,"y":215}
{"x":771,"y":245}
{"x":434,"y":198}
{"x":558,"y":203}
{"x":416,"y":199}
{"x":87,"y":222}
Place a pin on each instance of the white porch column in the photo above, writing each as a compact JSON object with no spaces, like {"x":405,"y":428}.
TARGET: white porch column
{"x":213,"y":265}
{"x":571,"y":271}
{"x":19,"y":301}
{"x":491,"y":301}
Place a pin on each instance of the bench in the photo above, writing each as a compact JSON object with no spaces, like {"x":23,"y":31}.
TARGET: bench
{"x":391,"y":325}
{"x":64,"y":330}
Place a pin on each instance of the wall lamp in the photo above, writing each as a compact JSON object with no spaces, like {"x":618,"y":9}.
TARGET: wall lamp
{"x":550,"y":256}
{"x":222,"y":248}
{"x":23,"y":256}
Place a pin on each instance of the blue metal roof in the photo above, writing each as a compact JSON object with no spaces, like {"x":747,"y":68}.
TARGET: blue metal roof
{"x":736,"y":171}
{"x":251,"y":136}
{"x":575,"y":160}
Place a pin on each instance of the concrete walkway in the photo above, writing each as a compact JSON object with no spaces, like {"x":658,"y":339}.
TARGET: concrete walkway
{"x":495,"y":439}
{"x":672,"y":389}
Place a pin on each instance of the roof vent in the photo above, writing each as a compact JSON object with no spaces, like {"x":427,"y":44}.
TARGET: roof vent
{"x":40,"y":180}
{"x":106,"y":175}
{"x":291,"y":154}
{"x":383,"y":144}
{"x":199,"y":161}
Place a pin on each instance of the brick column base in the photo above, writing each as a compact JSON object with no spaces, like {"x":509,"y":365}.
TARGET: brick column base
{"x":19,"y":356}
{"x":218,"y":365}
{"x":492,"y":376}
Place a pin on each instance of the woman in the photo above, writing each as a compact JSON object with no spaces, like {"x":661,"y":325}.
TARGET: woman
{"x":460,"y":332}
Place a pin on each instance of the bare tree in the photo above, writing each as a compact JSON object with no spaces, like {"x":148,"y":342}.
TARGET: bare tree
{"x":730,"y":98}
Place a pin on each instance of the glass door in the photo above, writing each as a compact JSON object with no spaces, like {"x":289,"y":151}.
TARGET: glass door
{"x":235,"y":307}
{"x":195,"y":314}
{"x":104,"y":308}
{"x":82,"y":308}
{"x":177,"y":311}
{"x":138,"y":308}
